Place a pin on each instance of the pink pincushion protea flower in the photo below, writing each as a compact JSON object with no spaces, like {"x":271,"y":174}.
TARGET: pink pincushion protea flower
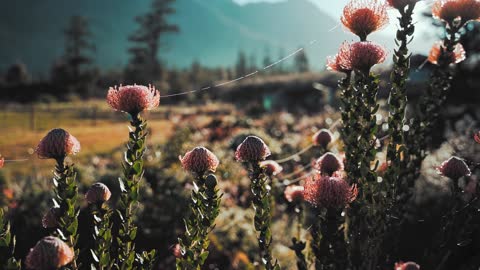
{"x":407,"y":266}
{"x":322,"y":138}
{"x":252,"y":149}
{"x":366,"y":54}
{"x":362,"y":17}
{"x":199,"y":161}
{"x":50,"y":219}
{"x":341,"y":62}
{"x":328,"y":164}
{"x":329,"y":192}
{"x":271,"y":167}
{"x":401,"y":4}
{"x":453,"y":10}
{"x":49,"y":253}
{"x":133,"y":99}
{"x":476,"y":137}
{"x":57,"y":144}
{"x":294,"y":193}
{"x":2,"y":162}
{"x":98,"y":193}
{"x":454,"y":168}
{"x":438,"y":53}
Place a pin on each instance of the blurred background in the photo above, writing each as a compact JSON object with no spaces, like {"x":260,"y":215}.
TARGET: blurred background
{"x":225,"y":69}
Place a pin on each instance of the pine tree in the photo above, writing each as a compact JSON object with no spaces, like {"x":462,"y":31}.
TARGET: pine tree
{"x":241,"y":66}
{"x":301,"y":62}
{"x":145,"y":66}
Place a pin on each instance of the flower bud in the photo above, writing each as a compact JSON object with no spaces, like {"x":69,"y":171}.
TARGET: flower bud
{"x":49,"y":253}
{"x":328,"y":164}
{"x":476,"y":137}
{"x":454,"y":168}
{"x":2,"y":162}
{"x":57,"y":144}
{"x":177,"y":251}
{"x":271,"y":167}
{"x":322,"y":138}
{"x":252,"y":149}
{"x":98,"y":193}
{"x":199,"y":161}
{"x":407,"y":266}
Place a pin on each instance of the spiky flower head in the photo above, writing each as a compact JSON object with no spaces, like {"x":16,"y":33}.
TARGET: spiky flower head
{"x":252,"y":149}
{"x":407,"y":266}
{"x":271,"y":167}
{"x":454,"y":168}
{"x":133,"y":99}
{"x":50,"y":219}
{"x":57,"y":144}
{"x":199,"y":161}
{"x":294,"y":193}
{"x":329,"y":191}
{"x":363,"y":17}
{"x":456,"y":12}
{"x":328,"y":164}
{"x":341,"y":62}
{"x":438,"y":53}
{"x":366,"y":54}
{"x":401,"y":4}
{"x":49,"y":253}
{"x":98,"y":193}
{"x":322,"y":138}
{"x":476,"y":137}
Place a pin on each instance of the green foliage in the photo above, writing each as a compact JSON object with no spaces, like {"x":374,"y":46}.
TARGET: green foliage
{"x":7,"y":245}
{"x":102,"y":237}
{"x":205,"y":207}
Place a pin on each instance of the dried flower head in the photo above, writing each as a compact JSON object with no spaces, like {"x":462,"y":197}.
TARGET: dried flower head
{"x":133,"y":99}
{"x":366,"y":54}
{"x":476,"y":137}
{"x":329,"y":192}
{"x":407,"y":266}
{"x":50,"y":219}
{"x":57,"y":144}
{"x":456,"y":12}
{"x":271,"y":167}
{"x":341,"y":62}
{"x":49,"y":253}
{"x":322,"y":138}
{"x":2,"y":162}
{"x":439,"y":53}
{"x":252,"y":149}
{"x":98,"y":193}
{"x":401,"y":4}
{"x":199,"y":161}
{"x":328,"y":164}
{"x":294,"y":193}
{"x":362,"y":17}
{"x":454,"y":168}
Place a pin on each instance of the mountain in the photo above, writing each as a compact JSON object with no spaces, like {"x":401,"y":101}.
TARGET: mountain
{"x":211,"y":32}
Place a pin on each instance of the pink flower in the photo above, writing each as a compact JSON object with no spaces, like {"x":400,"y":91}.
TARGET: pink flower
{"x":451,"y":10}
{"x":407,"y":266}
{"x":438,"y":53}
{"x":49,"y":253}
{"x":252,"y":149}
{"x":50,"y":219}
{"x":341,"y":62}
{"x":362,"y":17}
{"x":199,"y":160}
{"x":328,"y":164}
{"x":2,"y":162}
{"x":366,"y":54}
{"x":57,"y":144}
{"x":401,"y":4}
{"x":177,"y":251}
{"x":294,"y":193}
{"x":476,"y":137}
{"x":454,"y":168}
{"x":271,"y":167}
{"x":98,"y":193}
{"x":322,"y":138}
{"x":329,"y":192}
{"x":133,"y":99}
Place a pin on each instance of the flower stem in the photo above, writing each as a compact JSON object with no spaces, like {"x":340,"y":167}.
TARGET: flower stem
{"x":102,"y":237}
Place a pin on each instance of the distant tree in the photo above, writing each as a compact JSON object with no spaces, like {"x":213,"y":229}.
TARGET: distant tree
{"x":252,"y":63}
{"x":17,"y":74}
{"x":145,"y":65}
{"x":77,"y":46}
{"x":301,"y":62}
{"x":195,"y":74}
{"x":280,"y":67}
{"x":267,"y":60}
{"x":241,"y":66}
